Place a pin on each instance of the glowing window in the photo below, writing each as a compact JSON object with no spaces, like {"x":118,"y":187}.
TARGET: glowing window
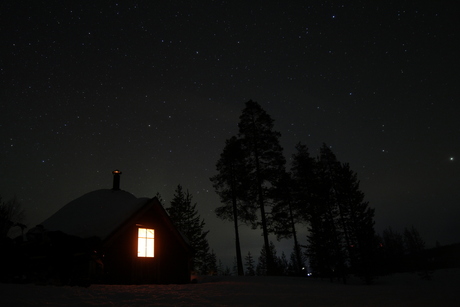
{"x":145,"y":240}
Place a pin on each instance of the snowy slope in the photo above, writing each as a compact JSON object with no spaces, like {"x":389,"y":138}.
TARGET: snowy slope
{"x":97,"y":213}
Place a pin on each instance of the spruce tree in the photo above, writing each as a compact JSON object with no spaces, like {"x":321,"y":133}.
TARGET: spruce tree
{"x":249,"y":262}
{"x":220,"y":268}
{"x":295,"y":267}
{"x":325,"y":246}
{"x":211,"y":262}
{"x":264,"y":162}
{"x":393,"y":243}
{"x":304,"y":180}
{"x":262,"y":265}
{"x":415,"y":246}
{"x":341,"y":223}
{"x":357,"y":223}
{"x":283,"y":265}
{"x":186,"y":218}
{"x":393,"y":250}
{"x":413,"y":240}
{"x":293,"y":196}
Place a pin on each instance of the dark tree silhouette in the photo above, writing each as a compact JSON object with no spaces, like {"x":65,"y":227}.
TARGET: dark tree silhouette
{"x":262,"y":265}
{"x":211,"y":262}
{"x":264,"y":162}
{"x":325,"y":248}
{"x":295,"y":195}
{"x":11,"y":214}
{"x":304,"y":179}
{"x":295,"y":267}
{"x":341,"y":223}
{"x":249,"y":262}
{"x":415,"y":247}
{"x":393,"y":250}
{"x":230,"y":184}
{"x":393,"y":243}
{"x":186,"y":218}
{"x":286,"y":213}
{"x":413,"y":240}
{"x":405,"y":252}
{"x":357,"y":223}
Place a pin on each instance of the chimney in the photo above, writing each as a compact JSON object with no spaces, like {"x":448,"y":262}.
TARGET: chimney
{"x":116,"y":180}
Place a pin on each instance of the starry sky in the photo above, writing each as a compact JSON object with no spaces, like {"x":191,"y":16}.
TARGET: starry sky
{"x":155,"y":89}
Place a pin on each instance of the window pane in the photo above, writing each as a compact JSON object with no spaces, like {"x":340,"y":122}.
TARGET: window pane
{"x":140,"y":247}
{"x":145,"y":242}
{"x":150,"y":233}
{"x":149,"y":248}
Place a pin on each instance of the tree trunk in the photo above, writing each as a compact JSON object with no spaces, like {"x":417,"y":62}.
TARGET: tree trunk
{"x":270,"y":260}
{"x":296,"y":243}
{"x":239,"y":260}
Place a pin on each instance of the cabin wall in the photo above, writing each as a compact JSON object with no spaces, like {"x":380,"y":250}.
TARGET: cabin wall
{"x":171,"y":263}
{"x":118,"y":260}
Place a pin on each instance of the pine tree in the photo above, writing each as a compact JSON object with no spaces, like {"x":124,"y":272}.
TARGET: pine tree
{"x":294,"y":194}
{"x":264,"y":162}
{"x":230,"y":184}
{"x":186,"y":218}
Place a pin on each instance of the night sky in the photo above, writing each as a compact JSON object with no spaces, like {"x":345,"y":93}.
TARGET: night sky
{"x":154,"y":89}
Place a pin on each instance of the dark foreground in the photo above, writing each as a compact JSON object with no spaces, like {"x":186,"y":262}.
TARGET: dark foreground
{"x":396,"y":290}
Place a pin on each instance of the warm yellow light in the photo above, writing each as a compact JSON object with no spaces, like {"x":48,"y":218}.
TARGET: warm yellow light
{"x":145,"y":242}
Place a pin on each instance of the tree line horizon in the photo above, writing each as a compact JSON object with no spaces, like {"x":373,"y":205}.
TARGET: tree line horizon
{"x":256,"y":189}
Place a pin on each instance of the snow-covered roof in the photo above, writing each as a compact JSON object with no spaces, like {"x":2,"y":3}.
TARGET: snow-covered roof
{"x":96,"y":213}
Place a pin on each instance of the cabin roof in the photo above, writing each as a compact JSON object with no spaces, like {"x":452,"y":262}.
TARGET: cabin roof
{"x":96,"y":213}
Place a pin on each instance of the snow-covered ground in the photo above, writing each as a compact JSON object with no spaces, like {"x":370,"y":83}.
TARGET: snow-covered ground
{"x":395,"y":290}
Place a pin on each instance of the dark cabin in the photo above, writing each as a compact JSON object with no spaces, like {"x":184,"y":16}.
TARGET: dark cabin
{"x":138,"y":241}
